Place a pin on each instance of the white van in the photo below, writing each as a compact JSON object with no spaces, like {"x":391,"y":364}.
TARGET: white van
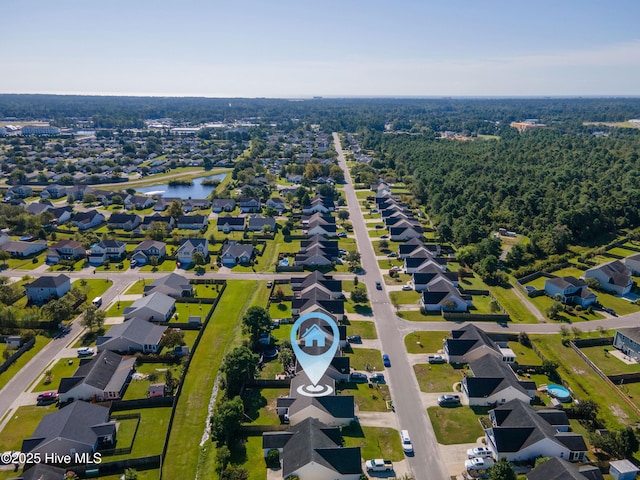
{"x":97,"y":302}
{"x":407,"y":446}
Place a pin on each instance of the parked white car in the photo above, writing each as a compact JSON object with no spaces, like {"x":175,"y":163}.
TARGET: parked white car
{"x":482,"y":452}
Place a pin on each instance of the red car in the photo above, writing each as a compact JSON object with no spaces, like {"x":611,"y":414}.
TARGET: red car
{"x":48,"y":397}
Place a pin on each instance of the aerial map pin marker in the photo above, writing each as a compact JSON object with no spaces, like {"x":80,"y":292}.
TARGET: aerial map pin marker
{"x":315,"y":365}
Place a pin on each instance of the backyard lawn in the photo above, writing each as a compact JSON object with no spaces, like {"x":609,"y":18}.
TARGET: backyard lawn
{"x":409,"y":297}
{"x":154,"y":373}
{"x":609,"y":364}
{"x":456,"y":425}
{"x":366,"y":359}
{"x":438,"y":377}
{"x":260,"y":405}
{"x":22,"y":425}
{"x":524,"y":355}
{"x":152,"y":431}
{"x":512,"y":304}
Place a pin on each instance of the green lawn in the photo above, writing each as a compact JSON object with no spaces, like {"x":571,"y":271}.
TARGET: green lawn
{"x":473,"y":283}
{"x":543,"y":302}
{"x":65,"y":367}
{"x":117,"y":308}
{"x":623,"y":252}
{"x":361,"y":358}
{"x":26,"y":263}
{"x":164,"y":266}
{"x":151,"y":433}
{"x":512,"y":304}
{"x":585,"y":382}
{"x":138,"y":287}
{"x":22,"y":425}
{"x":393,"y":247}
{"x":374,"y":442}
{"x":417,"y":316}
{"x":437,"y":378}
{"x":139,"y":388}
{"x":619,"y":305}
{"x":15,"y":367}
{"x":400,"y":279}
{"x":186,"y":310}
{"x":524,"y":355}
{"x":89,"y":338}
{"x":481,"y":304}
{"x":191,"y":412}
{"x":538,"y":283}
{"x":280,"y":310}
{"x":425,"y":342}
{"x":93,"y":287}
{"x":368,"y":397}
{"x":367,"y":330}
{"x":606,"y":362}
{"x":456,"y":425}
{"x":388,"y":263}
{"x":401,"y":297}
{"x":260,"y":405}
{"x":359,"y":308}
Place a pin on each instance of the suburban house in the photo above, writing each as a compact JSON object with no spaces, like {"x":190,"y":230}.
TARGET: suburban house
{"x":314,"y":451}
{"x":234,"y":253}
{"x":165,"y":202}
{"x":101,"y":378}
{"x":77,"y":428}
{"x":138,"y":202}
{"x":317,"y":299}
{"x":276,"y":203}
{"x":77,"y":192}
{"x":317,"y":251}
{"x":520,"y":433}
{"x":571,"y":290}
{"x":430,"y":275}
{"x":301,"y":286}
{"x":124,"y":221}
{"x":249,"y":205}
{"x":53,"y":191}
{"x":65,"y":250}
{"x":627,"y":340}
{"x":322,"y":225}
{"x":633,"y":263}
{"x":135,"y":335}
{"x":319,"y":204}
{"x":614,"y":277}
{"x":22,"y":249}
{"x":402,"y":234}
{"x":114,"y":250}
{"x":227,"y":223}
{"x":423,"y":264}
{"x":21,"y":191}
{"x":86,"y":220}
{"x":189,"y":246}
{"x":173,"y":285}
{"x":148,"y":249}
{"x":192,"y":222}
{"x":156,"y":307}
{"x":494,"y":383}
{"x":166,"y":220}
{"x":44,"y":288}
{"x":557,"y":469}
{"x":61,"y":214}
{"x":465,"y":340}
{"x":43,"y":471}
{"x":332,"y":410}
{"x":418,"y":249}
{"x":260,"y":224}
{"x":223,"y":205}
{"x":196,"y":204}
{"x":442,"y":296}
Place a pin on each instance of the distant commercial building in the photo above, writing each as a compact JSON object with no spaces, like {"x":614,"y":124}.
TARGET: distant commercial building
{"x":39,"y":130}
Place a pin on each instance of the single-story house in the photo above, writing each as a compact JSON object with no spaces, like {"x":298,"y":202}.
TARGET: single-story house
{"x":124,"y":221}
{"x":332,"y":410}
{"x":228,"y":223}
{"x":77,"y":428}
{"x":101,"y":378}
{"x":223,"y":205}
{"x":557,"y":469}
{"x":276,"y":203}
{"x":173,"y":285}
{"x":46,"y":287}
{"x":156,"y":307}
{"x":234,"y":253}
{"x":135,"y":335}
{"x":88,"y":219}
{"x":191,"y":222}
{"x":314,"y":451}
{"x":196,"y":204}
{"x":21,"y":249}
{"x":166,"y":220}
{"x":260,"y":224}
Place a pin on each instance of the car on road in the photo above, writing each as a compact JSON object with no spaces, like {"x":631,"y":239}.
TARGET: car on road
{"x":377,"y":378}
{"x":48,"y":397}
{"x":386,"y":360}
{"x":85,"y":352}
{"x":407,"y":446}
{"x":436,"y":359}
{"x":354,"y":339}
{"x":358,"y":377}
{"x":449,"y":400}
{"x":482,"y":452}
{"x":406,"y":288}
{"x":378,"y":286}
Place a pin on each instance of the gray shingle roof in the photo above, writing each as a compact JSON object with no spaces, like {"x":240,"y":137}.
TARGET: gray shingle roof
{"x":107,"y":371}
{"x":137,"y":330}
{"x":49,"y":281}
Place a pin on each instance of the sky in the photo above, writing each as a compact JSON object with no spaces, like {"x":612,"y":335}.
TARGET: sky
{"x":345,"y":48}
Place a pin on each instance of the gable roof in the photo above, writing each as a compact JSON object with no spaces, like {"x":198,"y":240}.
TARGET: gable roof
{"x":617,"y":272}
{"x":157,"y":302}
{"x":468,"y":338}
{"x":172,"y":284}
{"x":558,"y":469}
{"x":137,"y":331}
{"x":491,"y":375}
{"x":49,"y":281}
{"x":107,"y":371}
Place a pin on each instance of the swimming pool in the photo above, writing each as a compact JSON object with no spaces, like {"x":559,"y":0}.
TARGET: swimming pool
{"x":559,"y":392}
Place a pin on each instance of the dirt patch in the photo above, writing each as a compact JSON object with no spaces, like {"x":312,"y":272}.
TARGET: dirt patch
{"x":578,"y":371}
{"x":618,"y":412}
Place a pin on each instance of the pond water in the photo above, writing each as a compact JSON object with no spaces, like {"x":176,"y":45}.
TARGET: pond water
{"x":195,"y":190}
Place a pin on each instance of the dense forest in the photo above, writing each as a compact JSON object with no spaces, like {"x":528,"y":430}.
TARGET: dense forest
{"x":555,"y":187}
